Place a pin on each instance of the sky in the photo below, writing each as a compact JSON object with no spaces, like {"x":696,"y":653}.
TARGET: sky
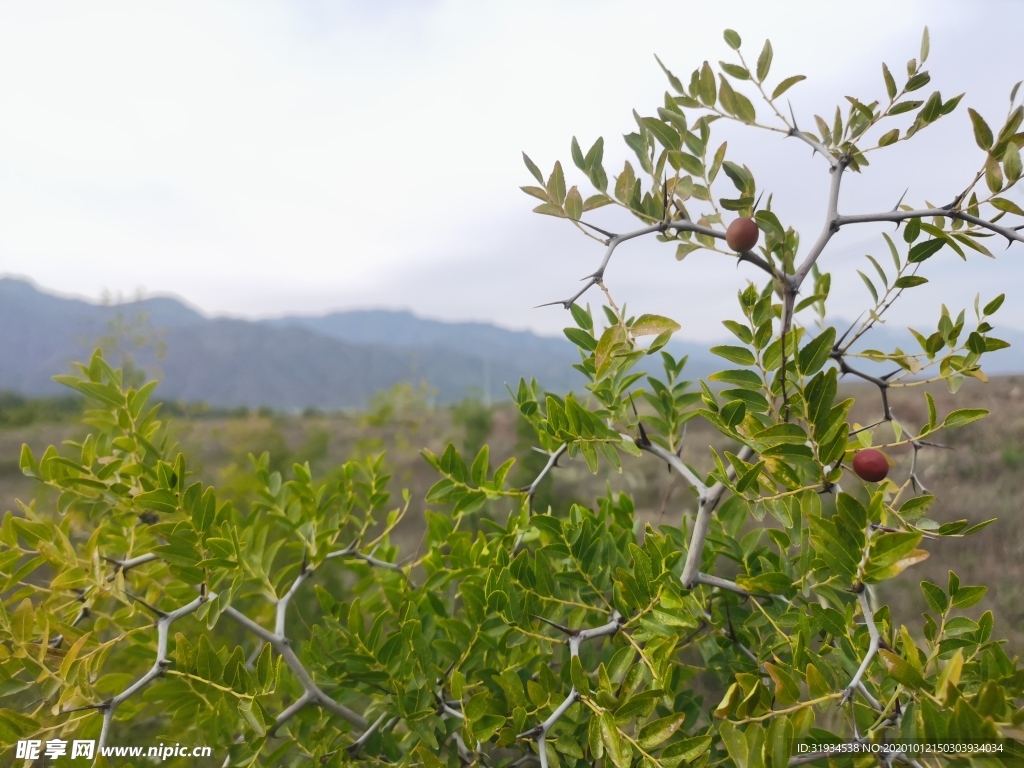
{"x":257,"y":159}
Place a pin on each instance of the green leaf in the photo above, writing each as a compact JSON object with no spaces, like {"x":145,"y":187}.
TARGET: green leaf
{"x":732,"y":39}
{"x":901,"y":671}
{"x":577,"y":155}
{"x":653,"y":325}
{"x":582,"y":317}
{"x":738,"y":355}
{"x":764,"y":61}
{"x":890,"y":83}
{"x":982,"y":133}
{"x":905,"y":106}
{"x":673,"y":80}
{"x":909,"y":281}
{"x":766,"y":583}
{"x":889,"y":137}
{"x":707,"y":90}
{"x":918,"y":81}
{"x":556,"y":184}
{"x":813,"y":356}
{"x":618,"y":749}
{"x":733,"y":413}
{"x":550,"y":209}
{"x":870,"y":285}
{"x":158,"y":501}
{"x":993,"y":306}
{"x":738,"y":377}
{"x":935,"y":597}
{"x":686,"y":751}
{"x":1002,"y":204}
{"x":735,"y":70}
{"x":963,"y":416}
{"x":579,"y":678}
{"x":658,"y":731}
{"x":665,"y":135}
{"x":27,"y":462}
{"x":612,"y":340}
{"x":925,"y":250}
{"x":533,"y":168}
{"x":735,"y":743}
{"x":787,"y":687}
{"x":786,"y":84}
{"x":574,"y":204}
{"x":1012,"y":165}
{"x":685,"y":249}
{"x":967,"y":597}
{"x":596,"y":201}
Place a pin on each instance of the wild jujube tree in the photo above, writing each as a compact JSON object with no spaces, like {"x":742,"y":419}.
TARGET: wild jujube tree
{"x":516,"y":634}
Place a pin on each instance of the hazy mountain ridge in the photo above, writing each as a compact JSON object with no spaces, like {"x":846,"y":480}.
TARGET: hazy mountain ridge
{"x":330,"y":361}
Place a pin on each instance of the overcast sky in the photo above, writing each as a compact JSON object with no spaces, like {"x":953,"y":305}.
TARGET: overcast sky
{"x":258,"y":159}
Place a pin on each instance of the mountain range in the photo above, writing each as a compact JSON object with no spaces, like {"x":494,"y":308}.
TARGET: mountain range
{"x":333,"y":361}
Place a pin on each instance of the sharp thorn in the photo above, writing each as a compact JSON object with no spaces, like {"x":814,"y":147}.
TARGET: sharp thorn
{"x":559,"y":627}
{"x":604,"y":232}
{"x":900,"y":201}
{"x":644,"y":440}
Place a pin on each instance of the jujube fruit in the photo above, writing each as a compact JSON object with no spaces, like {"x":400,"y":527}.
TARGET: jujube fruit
{"x":871,"y":465}
{"x":742,"y":234}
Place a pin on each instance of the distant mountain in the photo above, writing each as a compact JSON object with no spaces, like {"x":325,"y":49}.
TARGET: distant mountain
{"x":331,"y":361}
{"x":290,"y":363}
{"x":498,"y":350}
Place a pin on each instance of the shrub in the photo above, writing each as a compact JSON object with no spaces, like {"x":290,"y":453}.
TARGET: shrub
{"x":560,"y":636}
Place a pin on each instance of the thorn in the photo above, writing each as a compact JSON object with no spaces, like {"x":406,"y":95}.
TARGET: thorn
{"x":550,"y":623}
{"x":900,"y":201}
{"x":792,"y":115}
{"x":644,"y":440}
{"x":604,"y":232}
{"x":535,"y":731}
{"x":564,"y":303}
{"x":758,"y":201}
{"x":847,"y":332}
{"x":155,"y":610}
{"x":102,"y":705}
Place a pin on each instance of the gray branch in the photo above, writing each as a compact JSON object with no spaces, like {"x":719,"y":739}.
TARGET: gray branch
{"x":1011,"y":235}
{"x":873,"y":646}
{"x":691,"y":568}
{"x":577,"y":637}
{"x":161,"y":663}
{"x":313,"y":693}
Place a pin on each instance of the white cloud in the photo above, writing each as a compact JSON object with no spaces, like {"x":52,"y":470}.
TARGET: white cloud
{"x":261,"y":158}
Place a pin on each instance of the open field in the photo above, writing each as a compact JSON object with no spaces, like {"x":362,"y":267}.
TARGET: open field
{"x":981,"y":477}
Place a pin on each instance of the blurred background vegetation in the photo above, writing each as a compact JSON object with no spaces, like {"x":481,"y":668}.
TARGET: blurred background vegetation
{"x":980,"y":476}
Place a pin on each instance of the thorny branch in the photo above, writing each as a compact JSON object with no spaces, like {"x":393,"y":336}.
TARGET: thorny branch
{"x":873,"y":645}
{"x":160,"y":664}
{"x":576,"y":637}
{"x":278,"y":640}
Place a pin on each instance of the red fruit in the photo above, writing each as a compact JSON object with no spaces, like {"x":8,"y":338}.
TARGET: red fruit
{"x":742,"y":234}
{"x":871,"y":465}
